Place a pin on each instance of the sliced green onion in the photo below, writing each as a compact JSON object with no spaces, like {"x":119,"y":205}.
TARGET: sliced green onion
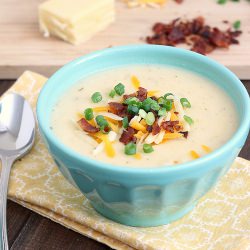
{"x":130,"y":149}
{"x":88,"y":113}
{"x":131,"y":101}
{"x":146,"y":104}
{"x":147,"y":148}
{"x":133,"y":109}
{"x":102,"y":123}
{"x":221,"y":1}
{"x":161,"y":100}
{"x":185,"y":103}
{"x":162,"y":112}
{"x":188,"y":119}
{"x":150,"y":118}
{"x":119,"y":89}
{"x":237,"y":24}
{"x":167,"y":95}
{"x":142,"y":113}
{"x":112,"y":93}
{"x":155,"y":106}
{"x":168,"y":105}
{"x":96,"y":97}
{"x":125,"y":122}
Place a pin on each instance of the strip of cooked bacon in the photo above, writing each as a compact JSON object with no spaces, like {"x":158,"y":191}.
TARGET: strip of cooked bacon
{"x":117,"y":108}
{"x":87,"y":127}
{"x":128,"y":136}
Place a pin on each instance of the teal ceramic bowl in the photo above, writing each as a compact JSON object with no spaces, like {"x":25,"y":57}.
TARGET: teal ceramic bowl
{"x":143,"y":197}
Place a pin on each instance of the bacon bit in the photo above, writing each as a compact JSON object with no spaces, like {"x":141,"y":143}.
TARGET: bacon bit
{"x":117,"y":108}
{"x":152,"y":93}
{"x":179,"y":1}
{"x":138,"y":126}
{"x":87,"y":127}
{"x":138,"y":156}
{"x":142,"y":94}
{"x":185,"y":134}
{"x":170,"y":136}
{"x":101,"y":109}
{"x":135,"y":82}
{"x":156,"y":128}
{"x":149,"y":128}
{"x":202,"y":38}
{"x":169,"y":126}
{"x":125,"y":97}
{"x":194,"y":154}
{"x":206,"y":148}
{"x":128,"y":136}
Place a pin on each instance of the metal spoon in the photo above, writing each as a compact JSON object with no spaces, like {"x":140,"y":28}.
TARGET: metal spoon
{"x":17,"y":133}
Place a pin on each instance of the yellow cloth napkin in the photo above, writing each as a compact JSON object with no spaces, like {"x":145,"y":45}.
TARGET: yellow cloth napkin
{"x":220,"y":221}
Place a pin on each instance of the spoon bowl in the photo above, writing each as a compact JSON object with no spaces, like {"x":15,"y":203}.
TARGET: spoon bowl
{"x":17,"y":134}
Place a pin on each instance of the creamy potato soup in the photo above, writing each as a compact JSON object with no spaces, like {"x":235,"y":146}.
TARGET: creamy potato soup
{"x":144,"y":116}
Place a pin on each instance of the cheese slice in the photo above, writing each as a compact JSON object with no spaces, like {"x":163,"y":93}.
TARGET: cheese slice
{"x":75,"y":21}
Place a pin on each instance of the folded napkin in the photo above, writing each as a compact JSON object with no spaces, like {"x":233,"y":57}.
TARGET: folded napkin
{"x":221,"y":219}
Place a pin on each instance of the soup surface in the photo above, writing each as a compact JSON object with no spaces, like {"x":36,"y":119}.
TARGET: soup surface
{"x":213,"y":115}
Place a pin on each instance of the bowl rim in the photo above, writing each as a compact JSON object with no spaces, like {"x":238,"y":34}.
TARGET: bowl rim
{"x":121,"y":169}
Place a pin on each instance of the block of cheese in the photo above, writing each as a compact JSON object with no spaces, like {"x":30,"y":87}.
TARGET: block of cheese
{"x":75,"y":21}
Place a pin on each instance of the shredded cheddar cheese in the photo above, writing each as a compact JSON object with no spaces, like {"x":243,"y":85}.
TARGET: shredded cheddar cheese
{"x":114,"y":127}
{"x":139,"y":134}
{"x":142,"y":3}
{"x":138,"y":126}
{"x":143,"y":123}
{"x":194,"y":154}
{"x":206,"y":148}
{"x":108,"y":147}
{"x":152,"y":93}
{"x":169,"y":136}
{"x":80,"y":116}
{"x":173,"y":117}
{"x":101,"y":109}
{"x":135,"y":82}
{"x":138,"y":156}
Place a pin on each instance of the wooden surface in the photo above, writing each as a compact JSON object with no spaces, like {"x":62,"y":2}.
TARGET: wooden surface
{"x":28,"y":230}
{"x":23,"y":47}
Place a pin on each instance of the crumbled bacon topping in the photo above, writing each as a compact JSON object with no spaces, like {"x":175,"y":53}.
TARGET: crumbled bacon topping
{"x":117,"y":108}
{"x":149,"y":128}
{"x":141,"y":94}
{"x":169,"y":126}
{"x":87,"y":127}
{"x":156,"y":128}
{"x":185,"y":134}
{"x":128,"y":136}
{"x":125,"y":97}
{"x":202,"y":38}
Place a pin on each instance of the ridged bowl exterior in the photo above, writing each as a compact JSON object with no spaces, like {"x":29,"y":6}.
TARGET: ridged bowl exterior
{"x":143,"y":197}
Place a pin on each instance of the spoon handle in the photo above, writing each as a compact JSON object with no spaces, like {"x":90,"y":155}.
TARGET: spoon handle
{"x":4,"y":180}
